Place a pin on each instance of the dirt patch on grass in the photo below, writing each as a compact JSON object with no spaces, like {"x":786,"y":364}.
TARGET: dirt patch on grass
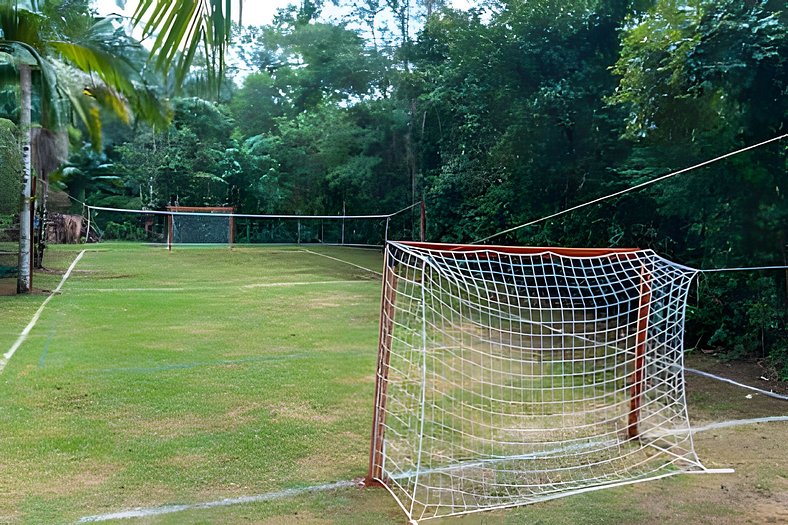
{"x":188,"y":424}
{"x":756,"y":493}
{"x":87,"y":477}
{"x":186,"y":460}
{"x":711,"y":400}
{"x":323,"y":304}
{"x":752,"y":372}
{"x":72,"y":478}
{"x":334,"y":300}
{"x":315,"y":469}
{"x":296,"y":517}
{"x":301,"y":411}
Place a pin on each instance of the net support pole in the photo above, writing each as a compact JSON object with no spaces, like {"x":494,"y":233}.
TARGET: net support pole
{"x":388,"y":297}
{"x":169,"y":231}
{"x":33,"y":228}
{"x":636,"y":378}
{"x":422,"y":221}
{"x":87,"y":234}
{"x":232,"y":231}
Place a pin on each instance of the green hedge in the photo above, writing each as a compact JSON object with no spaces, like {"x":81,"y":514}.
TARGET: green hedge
{"x":10,"y":169}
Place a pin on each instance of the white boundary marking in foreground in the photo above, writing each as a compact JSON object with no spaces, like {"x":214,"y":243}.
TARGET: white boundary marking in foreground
{"x":21,"y":339}
{"x":168,"y":509}
{"x":736,"y":383}
{"x":738,"y":422}
{"x":300,"y":283}
{"x":224,"y":287}
{"x":269,"y":496}
{"x":340,"y":260}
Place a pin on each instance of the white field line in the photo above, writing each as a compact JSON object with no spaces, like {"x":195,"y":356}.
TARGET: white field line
{"x":21,"y":339}
{"x":168,"y":509}
{"x":736,"y":383}
{"x":342,"y":261}
{"x":269,"y":496}
{"x":224,"y":287}
{"x":129,"y":290}
{"x":300,"y":283}
{"x":738,"y":422}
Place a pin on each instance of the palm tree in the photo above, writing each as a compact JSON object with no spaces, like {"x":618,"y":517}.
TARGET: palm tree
{"x":70,"y":50}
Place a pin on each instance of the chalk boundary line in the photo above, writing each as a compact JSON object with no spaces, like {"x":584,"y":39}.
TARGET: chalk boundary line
{"x":23,"y":336}
{"x":244,"y":287}
{"x":342,"y":261}
{"x":169,"y":509}
{"x":286,"y":493}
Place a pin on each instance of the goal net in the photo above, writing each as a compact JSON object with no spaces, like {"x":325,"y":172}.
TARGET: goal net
{"x":200,"y":225}
{"x":180,"y":225}
{"x":508,"y":376}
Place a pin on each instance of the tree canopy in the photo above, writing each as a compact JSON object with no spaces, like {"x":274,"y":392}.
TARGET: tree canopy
{"x":496,"y":115}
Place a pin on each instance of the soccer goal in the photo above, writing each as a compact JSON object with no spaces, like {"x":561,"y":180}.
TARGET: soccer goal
{"x":510,"y":375}
{"x":200,"y":225}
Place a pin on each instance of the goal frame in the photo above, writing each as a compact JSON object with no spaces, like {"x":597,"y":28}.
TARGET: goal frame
{"x":375,"y":474}
{"x":227,"y":210}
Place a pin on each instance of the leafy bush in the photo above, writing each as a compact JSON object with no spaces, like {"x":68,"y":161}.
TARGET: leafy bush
{"x":123,"y":231}
{"x":10,"y":168}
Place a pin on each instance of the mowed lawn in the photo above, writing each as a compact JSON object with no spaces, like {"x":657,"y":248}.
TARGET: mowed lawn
{"x":160,"y":377}
{"x":165,"y":378}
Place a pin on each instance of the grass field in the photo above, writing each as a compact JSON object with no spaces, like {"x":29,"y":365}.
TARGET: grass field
{"x":165,"y":378}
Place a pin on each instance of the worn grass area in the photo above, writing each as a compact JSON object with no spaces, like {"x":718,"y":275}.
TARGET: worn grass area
{"x":162,"y":378}
{"x":176,"y":377}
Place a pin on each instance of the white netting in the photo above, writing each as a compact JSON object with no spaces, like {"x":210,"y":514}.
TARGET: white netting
{"x":509,"y":378}
{"x":193,"y":225}
{"x":205,"y":228}
{"x":339,"y":231}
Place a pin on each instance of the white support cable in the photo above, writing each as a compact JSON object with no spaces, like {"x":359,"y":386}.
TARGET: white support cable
{"x":743,"y":269}
{"x":406,"y":208}
{"x":631,"y":188}
{"x":87,"y":234}
{"x":68,"y":195}
{"x":161,"y":212}
{"x":242,"y":215}
{"x":768,"y":393}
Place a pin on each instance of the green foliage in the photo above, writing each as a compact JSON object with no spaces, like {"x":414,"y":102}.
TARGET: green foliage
{"x":114,"y":231}
{"x":84,"y":66}
{"x":497,"y":116}
{"x":10,"y":169}
{"x":700,"y":79}
{"x":181,"y":28}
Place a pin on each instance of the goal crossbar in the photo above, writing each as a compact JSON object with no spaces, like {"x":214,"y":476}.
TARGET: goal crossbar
{"x":492,"y":250}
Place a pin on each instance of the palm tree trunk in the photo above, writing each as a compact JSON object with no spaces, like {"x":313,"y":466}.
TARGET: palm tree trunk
{"x":25,"y":279}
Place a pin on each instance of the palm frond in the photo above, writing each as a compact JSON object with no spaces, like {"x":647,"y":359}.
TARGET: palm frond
{"x":182,"y":27}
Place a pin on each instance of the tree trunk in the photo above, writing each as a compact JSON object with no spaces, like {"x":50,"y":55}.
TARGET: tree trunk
{"x":25,"y":279}
{"x":43,"y":217}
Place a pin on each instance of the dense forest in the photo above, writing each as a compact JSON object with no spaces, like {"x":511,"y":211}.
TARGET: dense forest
{"x":495,"y":116}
